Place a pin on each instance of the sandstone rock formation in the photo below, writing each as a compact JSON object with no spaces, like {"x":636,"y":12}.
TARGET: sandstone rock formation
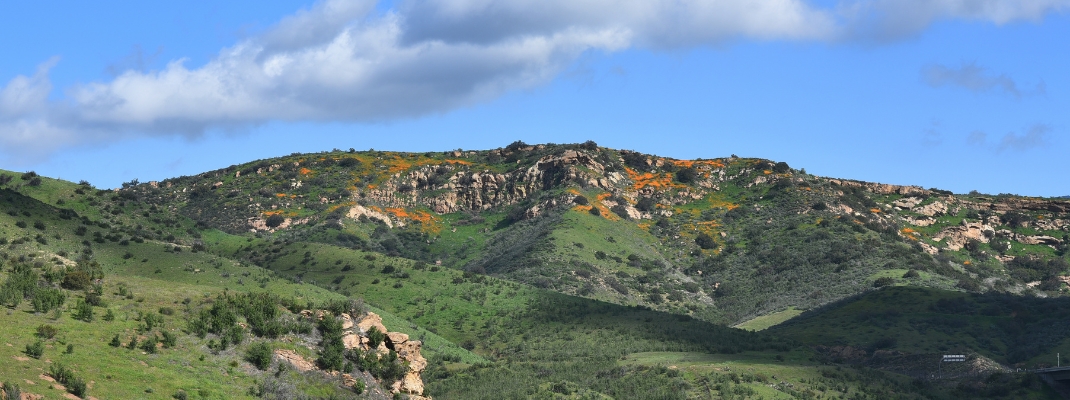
{"x":296,"y":360}
{"x":956,"y":237}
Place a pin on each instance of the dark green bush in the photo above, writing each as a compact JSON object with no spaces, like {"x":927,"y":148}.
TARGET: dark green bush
{"x":46,"y":331}
{"x":259,"y":354}
{"x":35,"y":349}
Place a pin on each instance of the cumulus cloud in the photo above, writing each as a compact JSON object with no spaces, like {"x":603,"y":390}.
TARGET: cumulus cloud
{"x":974,"y":78}
{"x":341,"y":60}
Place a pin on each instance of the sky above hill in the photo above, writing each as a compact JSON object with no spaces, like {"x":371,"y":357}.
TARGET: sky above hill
{"x":955,"y":94}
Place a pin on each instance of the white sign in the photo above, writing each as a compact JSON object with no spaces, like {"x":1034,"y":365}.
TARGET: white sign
{"x":954,"y":358}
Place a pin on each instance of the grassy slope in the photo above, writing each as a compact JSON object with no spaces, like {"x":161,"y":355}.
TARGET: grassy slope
{"x":535,"y":340}
{"x":1010,"y":329}
{"x":156,"y":276}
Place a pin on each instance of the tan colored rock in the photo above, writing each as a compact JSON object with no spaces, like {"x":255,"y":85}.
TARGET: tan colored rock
{"x":347,"y":321}
{"x":351,"y":341}
{"x":920,"y":221}
{"x":410,"y":384}
{"x":929,"y":249}
{"x":397,"y":338}
{"x":1039,"y":239}
{"x":956,"y":237}
{"x":369,"y":321}
{"x":299,"y":363}
{"x":358,"y":210}
{"x":410,"y":351}
{"x":348,"y":380}
{"x":907,"y":202}
{"x":931,"y":210}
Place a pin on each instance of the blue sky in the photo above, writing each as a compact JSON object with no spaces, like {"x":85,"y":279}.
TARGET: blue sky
{"x":956,"y":94}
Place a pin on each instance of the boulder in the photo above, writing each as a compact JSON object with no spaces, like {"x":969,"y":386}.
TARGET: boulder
{"x":397,"y":338}
{"x":369,"y":321}
{"x":931,"y":210}
{"x":299,"y":363}
{"x":907,"y":202}
{"x":351,"y":341}
{"x":956,"y":237}
{"x":410,"y":384}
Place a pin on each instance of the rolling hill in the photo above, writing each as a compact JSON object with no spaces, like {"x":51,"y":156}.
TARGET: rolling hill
{"x":530,"y":271}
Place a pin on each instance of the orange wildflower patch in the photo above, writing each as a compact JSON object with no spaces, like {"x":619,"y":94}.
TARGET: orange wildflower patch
{"x":908,"y":230}
{"x":280,"y":194}
{"x":657,"y":181}
{"x":273,"y":212}
{"x":692,"y":163}
{"x":427,"y":220}
{"x":305,"y":171}
{"x":767,"y":172}
{"x":337,"y":206}
{"x":715,"y":202}
{"x":875,"y":210}
{"x":967,"y":262}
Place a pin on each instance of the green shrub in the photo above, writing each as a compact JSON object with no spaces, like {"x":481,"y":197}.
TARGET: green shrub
{"x":13,"y":392}
{"x":115,"y":341}
{"x":46,"y":331}
{"x":687,"y":175}
{"x":48,"y":299}
{"x":275,"y":221}
{"x":375,"y":337}
{"x":913,"y":273}
{"x":35,"y":349}
{"x":149,"y":345}
{"x":705,"y":241}
{"x":76,"y":279}
{"x":259,"y":354}
{"x":169,"y":339}
{"x":83,"y":311}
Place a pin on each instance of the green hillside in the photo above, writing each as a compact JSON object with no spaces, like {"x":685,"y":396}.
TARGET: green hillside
{"x":548,"y":271}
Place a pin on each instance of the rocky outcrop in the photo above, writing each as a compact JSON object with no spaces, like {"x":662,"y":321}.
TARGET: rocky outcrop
{"x":1030,"y":239}
{"x":296,"y":360}
{"x":933,"y":209}
{"x":907,"y":202}
{"x":1018,"y":204}
{"x":355,"y":336}
{"x":956,"y":237}
{"x":883,"y":188}
{"x":408,"y":350}
{"x":481,"y":190}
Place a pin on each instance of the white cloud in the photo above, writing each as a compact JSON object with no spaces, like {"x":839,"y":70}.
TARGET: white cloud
{"x":341,"y":60}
